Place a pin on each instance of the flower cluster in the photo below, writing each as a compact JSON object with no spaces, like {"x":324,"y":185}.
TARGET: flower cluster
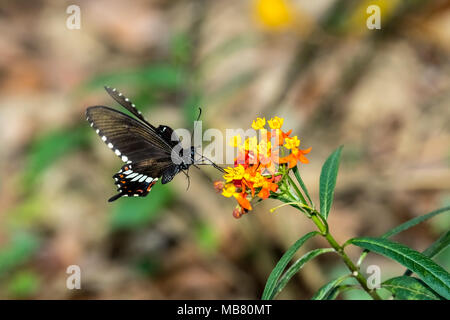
{"x":261,"y":164}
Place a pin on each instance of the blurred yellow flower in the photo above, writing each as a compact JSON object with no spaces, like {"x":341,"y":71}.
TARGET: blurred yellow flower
{"x":292,"y":143}
{"x":251,"y":144}
{"x":276,"y":123}
{"x":228,"y":190}
{"x":259,"y":123}
{"x":274,"y":14}
{"x":235,"y":173}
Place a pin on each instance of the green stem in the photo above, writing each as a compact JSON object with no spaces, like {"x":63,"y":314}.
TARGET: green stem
{"x":325,"y":232}
{"x":340,"y":250}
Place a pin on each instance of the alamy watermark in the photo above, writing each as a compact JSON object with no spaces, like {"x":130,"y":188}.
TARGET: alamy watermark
{"x":74,"y":280}
{"x":374,"y":20}
{"x":73,"y":21}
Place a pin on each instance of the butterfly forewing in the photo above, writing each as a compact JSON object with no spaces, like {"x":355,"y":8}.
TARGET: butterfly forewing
{"x":145,"y":149}
{"x":127,"y":104}
{"x":127,"y":137}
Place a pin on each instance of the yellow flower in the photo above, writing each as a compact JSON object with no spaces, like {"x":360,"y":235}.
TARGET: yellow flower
{"x":274,"y":14}
{"x":229,"y":190}
{"x":236,"y":141}
{"x":251,"y":144}
{"x":275,"y":123}
{"x":292,"y":143}
{"x":259,"y":123}
{"x":264,"y":147}
{"x":236,"y":173}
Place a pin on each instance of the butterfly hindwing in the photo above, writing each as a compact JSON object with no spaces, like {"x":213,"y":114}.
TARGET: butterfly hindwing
{"x":133,"y":183}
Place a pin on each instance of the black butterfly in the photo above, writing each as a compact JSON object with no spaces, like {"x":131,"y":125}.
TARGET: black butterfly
{"x":146,"y":150}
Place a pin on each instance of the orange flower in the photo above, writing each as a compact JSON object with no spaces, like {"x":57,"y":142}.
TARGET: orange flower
{"x":266,"y":188}
{"x":295,"y":156}
{"x":256,"y":172}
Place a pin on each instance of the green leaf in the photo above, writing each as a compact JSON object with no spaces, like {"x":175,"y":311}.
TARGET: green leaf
{"x":409,"y":288}
{"x":437,"y":247}
{"x":131,"y":212}
{"x":325,"y":290}
{"x":296,"y":267}
{"x":413,"y":222}
{"x":328,"y":181}
{"x":281,"y":265}
{"x":431,"y":273}
{"x":334,"y":293}
{"x":404,"y":226}
{"x":302,"y":184}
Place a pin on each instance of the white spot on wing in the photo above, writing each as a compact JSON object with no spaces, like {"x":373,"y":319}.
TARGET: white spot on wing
{"x":149,"y":179}
{"x":124,"y":158}
{"x":137,"y":178}
{"x":143,"y":178}
{"x":132,"y":175}
{"x":110,"y":145}
{"x":104,"y":138}
{"x":117,"y":152}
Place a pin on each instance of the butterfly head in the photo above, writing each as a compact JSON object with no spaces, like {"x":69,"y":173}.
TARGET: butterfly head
{"x":186,"y":163}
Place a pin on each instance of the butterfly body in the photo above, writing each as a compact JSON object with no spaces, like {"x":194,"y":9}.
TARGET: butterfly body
{"x":149,"y":152}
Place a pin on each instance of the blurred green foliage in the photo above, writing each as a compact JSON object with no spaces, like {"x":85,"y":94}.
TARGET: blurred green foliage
{"x":206,"y":237}
{"x":20,"y":248}
{"x":131,"y":213}
{"x":50,"y":147}
{"x":23,"y":284}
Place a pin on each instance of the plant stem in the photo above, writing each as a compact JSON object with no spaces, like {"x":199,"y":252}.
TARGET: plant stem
{"x":340,"y":250}
{"x":315,"y":216}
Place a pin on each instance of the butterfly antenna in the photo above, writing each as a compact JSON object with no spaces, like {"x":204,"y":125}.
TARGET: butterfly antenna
{"x":198,"y":118}
{"x":211,"y":162}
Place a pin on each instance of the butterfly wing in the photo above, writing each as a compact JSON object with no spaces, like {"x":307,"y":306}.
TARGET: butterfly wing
{"x":131,"y":140}
{"x":137,"y":180}
{"x":127,"y":104}
{"x":146,"y":154}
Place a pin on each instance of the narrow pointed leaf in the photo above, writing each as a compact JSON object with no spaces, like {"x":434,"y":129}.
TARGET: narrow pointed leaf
{"x":328,"y":181}
{"x":411,"y":223}
{"x":404,"y":226}
{"x":327,"y":289}
{"x":437,"y":247}
{"x":426,"y":269}
{"x":296,"y":267}
{"x":302,"y":184}
{"x":409,"y":288}
{"x":334,"y":293}
{"x":281,"y":265}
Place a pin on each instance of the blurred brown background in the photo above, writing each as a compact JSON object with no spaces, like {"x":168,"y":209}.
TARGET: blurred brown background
{"x":384,"y":94}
